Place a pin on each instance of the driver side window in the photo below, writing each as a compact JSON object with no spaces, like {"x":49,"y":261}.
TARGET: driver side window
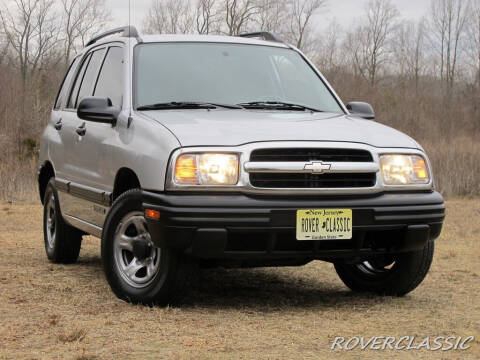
{"x":110,"y":80}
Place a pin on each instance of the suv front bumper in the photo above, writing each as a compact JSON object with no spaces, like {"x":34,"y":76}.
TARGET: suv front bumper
{"x":241,"y":227}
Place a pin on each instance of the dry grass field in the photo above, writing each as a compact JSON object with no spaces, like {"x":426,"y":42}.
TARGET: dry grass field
{"x":68,"y":312}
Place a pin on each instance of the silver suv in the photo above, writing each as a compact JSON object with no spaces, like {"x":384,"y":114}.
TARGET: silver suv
{"x":228,"y":151}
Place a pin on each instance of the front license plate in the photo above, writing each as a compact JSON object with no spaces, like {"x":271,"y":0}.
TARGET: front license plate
{"x":324,"y":224}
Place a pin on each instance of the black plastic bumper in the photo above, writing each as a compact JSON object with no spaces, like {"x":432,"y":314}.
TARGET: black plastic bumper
{"x":237,"y":226}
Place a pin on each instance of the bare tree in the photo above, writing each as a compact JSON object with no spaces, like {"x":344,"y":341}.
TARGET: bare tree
{"x":31,"y":33}
{"x":329,"y":51}
{"x":409,"y":49}
{"x":81,"y":19}
{"x":272,"y":16}
{"x":238,"y":14}
{"x":169,"y":17}
{"x":448,"y":25}
{"x":473,"y":43}
{"x":369,"y":43}
{"x":301,"y":13}
{"x":207,"y":17}
{"x":4,"y":44}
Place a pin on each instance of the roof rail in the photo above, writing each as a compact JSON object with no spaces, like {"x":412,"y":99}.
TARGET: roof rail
{"x":127,"y":31}
{"x":265,"y":35}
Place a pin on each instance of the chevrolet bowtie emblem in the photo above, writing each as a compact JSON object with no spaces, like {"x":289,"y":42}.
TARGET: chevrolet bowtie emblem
{"x":317,"y":167}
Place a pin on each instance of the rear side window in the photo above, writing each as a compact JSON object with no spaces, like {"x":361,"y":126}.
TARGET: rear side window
{"x":86,"y":89}
{"x":78,"y":81}
{"x":86,"y":78}
{"x":110,"y":80}
{"x":63,"y":93}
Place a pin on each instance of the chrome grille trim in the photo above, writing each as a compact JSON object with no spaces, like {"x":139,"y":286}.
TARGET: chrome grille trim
{"x":299,"y":167}
{"x":295,"y":154}
{"x":244,"y":185}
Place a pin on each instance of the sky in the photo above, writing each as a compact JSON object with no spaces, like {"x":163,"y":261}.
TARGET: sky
{"x":345,"y":12}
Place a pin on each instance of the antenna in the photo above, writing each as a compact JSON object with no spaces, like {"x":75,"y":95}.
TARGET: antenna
{"x":129,"y":67}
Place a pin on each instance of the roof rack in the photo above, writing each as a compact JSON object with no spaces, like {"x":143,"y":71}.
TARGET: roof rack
{"x":265,"y":35}
{"x":127,"y":31}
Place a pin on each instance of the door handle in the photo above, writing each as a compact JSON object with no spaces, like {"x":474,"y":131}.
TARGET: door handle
{"x":81,"y":130}
{"x":58,"y":125}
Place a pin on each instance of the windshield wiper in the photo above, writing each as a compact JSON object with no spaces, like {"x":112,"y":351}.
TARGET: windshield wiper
{"x":277,"y":105}
{"x":186,"y":105}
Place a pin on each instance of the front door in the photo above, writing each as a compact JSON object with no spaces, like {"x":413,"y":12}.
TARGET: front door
{"x":97,"y":145}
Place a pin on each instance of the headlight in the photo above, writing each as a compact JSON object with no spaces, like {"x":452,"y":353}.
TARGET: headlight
{"x":206,"y":169}
{"x":404,"y":169}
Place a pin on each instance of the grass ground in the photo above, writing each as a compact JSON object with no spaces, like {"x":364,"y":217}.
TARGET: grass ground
{"x":69,"y":312}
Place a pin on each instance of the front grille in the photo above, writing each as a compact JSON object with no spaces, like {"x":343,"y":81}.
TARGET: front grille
{"x":311,"y":180}
{"x":279,"y":180}
{"x":311,"y":154}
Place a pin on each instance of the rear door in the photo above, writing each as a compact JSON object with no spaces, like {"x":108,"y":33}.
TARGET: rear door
{"x":83,"y":87}
{"x":63,"y":138}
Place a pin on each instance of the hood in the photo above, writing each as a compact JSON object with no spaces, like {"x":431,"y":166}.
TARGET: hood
{"x":224,"y":127}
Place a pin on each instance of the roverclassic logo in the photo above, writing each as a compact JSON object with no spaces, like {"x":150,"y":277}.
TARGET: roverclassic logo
{"x":442,"y":343}
{"x":317,"y":167}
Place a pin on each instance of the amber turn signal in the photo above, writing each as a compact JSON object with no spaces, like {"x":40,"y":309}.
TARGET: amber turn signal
{"x":186,"y":169}
{"x":152,"y":214}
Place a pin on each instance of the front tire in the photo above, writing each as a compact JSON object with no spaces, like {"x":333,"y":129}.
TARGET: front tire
{"x":388,"y":275}
{"x":137,"y":271}
{"x":62,"y":242}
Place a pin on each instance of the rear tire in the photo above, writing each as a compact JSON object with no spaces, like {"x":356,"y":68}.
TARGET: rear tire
{"x":394,"y":276}
{"x":62,"y":241}
{"x":137,"y":271}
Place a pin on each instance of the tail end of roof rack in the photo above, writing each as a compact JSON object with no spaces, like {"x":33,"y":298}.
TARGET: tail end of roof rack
{"x":126,"y":31}
{"x":264,"y":35}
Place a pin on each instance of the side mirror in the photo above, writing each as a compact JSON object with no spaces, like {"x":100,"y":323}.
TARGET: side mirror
{"x":361,"y":109}
{"x":98,"y":110}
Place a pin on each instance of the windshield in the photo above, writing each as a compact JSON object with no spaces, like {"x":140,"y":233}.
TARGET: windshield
{"x":226,"y":74}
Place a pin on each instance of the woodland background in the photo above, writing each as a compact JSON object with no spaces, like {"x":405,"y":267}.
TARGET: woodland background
{"x":422,"y":77}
